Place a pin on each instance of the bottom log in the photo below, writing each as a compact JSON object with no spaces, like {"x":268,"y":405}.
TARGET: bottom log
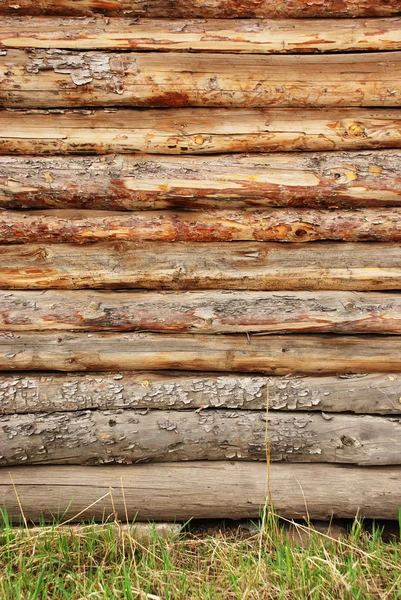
{"x":200,"y":490}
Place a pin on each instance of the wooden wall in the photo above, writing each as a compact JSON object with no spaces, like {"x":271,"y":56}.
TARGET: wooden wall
{"x":200,"y":240}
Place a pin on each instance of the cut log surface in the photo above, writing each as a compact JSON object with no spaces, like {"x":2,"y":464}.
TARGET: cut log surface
{"x":332,"y":180}
{"x":202,"y":312}
{"x":237,"y":36}
{"x":61,"y":78}
{"x":374,"y":393}
{"x":202,"y":8}
{"x":280,"y":355}
{"x":196,"y":265}
{"x":202,"y":131}
{"x":274,"y":225}
{"x":129,"y":436}
{"x":201,"y":490}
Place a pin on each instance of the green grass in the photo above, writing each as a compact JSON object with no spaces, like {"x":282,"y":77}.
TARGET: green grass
{"x":107,"y":562}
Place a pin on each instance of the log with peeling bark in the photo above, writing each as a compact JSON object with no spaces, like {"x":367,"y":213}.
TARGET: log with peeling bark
{"x":330,"y":180}
{"x":202,"y":312}
{"x":277,"y":355}
{"x":129,"y":436}
{"x":274,"y":225}
{"x":201,"y":8}
{"x":61,"y":78}
{"x":366,"y":266}
{"x":200,"y":131}
{"x":203,"y":490}
{"x":214,"y":35}
{"x":31,"y":392}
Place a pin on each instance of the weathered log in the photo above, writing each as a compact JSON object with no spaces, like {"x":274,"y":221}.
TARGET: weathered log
{"x":277,"y":355}
{"x":202,"y":8}
{"x":60,"y":78}
{"x":195,"y":265}
{"x":238,"y":36}
{"x":203,"y":131}
{"x":320,"y":179}
{"x":285,"y":225}
{"x":203,"y":490}
{"x":202,"y":312}
{"x":129,"y":436}
{"x":374,"y":393}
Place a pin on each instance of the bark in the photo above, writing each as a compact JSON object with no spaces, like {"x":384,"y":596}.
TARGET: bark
{"x":237,"y":266}
{"x":375,"y":393}
{"x":202,"y":490}
{"x":275,"y":355}
{"x":202,"y":312}
{"x":60,"y":78}
{"x":333,"y":180}
{"x":237,"y":36}
{"x":285,"y":225}
{"x":208,"y":9}
{"x":200,"y":131}
{"x":101,"y":437}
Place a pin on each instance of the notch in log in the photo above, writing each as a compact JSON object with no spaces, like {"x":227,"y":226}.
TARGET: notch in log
{"x":62,"y":78}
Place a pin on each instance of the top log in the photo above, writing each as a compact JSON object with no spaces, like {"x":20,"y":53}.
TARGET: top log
{"x":214,"y":35}
{"x":205,"y":8}
{"x":62,"y":78}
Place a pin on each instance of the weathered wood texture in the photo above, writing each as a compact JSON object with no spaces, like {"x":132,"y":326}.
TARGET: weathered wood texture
{"x":201,"y":131}
{"x":365,"y":266}
{"x":374,"y":393}
{"x":280,"y":355}
{"x":129,"y":436}
{"x":60,"y":78}
{"x":200,"y":490}
{"x":208,"y":9}
{"x":202,"y":312}
{"x":238,"y":36}
{"x":274,"y":225}
{"x":331,"y":180}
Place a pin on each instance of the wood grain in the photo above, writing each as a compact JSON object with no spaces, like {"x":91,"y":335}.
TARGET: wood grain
{"x":203,"y":490}
{"x":30,"y":392}
{"x":204,"y":131}
{"x":274,"y":225}
{"x":62,"y":78}
{"x":129,"y":436}
{"x":333,"y":180}
{"x":209,"y":9}
{"x":366,"y":266}
{"x":214,"y":35}
{"x":202,"y":312}
{"x":280,"y":355}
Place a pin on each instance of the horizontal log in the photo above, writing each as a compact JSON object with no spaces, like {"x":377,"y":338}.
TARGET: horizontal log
{"x":374,"y":393}
{"x":200,"y":490}
{"x":202,"y":312}
{"x":330,"y":179}
{"x":129,"y":436}
{"x":214,"y":35}
{"x":276,"y":355}
{"x":195,"y":265}
{"x":204,"y":131}
{"x":60,"y":78}
{"x":285,"y":225}
{"x":209,"y":9}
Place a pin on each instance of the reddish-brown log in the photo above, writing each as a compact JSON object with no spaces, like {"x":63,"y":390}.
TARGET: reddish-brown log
{"x":214,"y":35}
{"x":202,"y":312}
{"x":147,"y":182}
{"x":62,"y":78}
{"x":274,"y":225}
{"x":205,"y":8}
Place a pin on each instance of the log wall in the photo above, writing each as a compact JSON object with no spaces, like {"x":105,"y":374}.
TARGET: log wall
{"x":200,"y":229}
